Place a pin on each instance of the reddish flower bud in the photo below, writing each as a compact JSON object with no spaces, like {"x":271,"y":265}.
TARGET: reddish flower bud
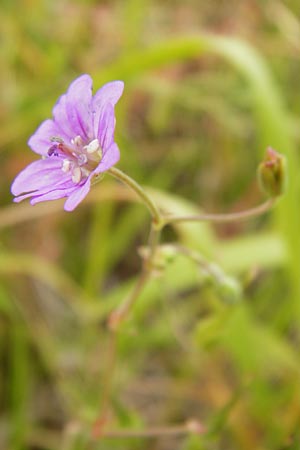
{"x":272,"y":173}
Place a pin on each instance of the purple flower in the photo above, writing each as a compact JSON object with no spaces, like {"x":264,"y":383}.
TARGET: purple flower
{"x":77,"y":144}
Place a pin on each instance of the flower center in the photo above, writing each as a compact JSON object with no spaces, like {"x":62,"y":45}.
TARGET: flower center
{"x":78,"y":159}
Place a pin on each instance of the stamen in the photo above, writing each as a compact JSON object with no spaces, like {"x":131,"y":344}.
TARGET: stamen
{"x":53,"y":150}
{"x":66,"y":166}
{"x":85,"y":172}
{"x":76,"y":175}
{"x":77,"y":141}
{"x":93,"y":146}
{"x":57,"y":139}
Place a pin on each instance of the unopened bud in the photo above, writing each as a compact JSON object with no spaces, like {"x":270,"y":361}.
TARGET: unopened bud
{"x":229,"y":289}
{"x":164,"y":255}
{"x":272,"y":173}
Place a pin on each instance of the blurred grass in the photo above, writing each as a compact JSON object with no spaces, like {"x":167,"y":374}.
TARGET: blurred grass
{"x":195,"y":118}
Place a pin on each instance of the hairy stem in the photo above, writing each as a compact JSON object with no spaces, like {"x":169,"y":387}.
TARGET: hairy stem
{"x":115,"y":320}
{"x":231,"y":217}
{"x":121,"y":313}
{"x":146,"y":199}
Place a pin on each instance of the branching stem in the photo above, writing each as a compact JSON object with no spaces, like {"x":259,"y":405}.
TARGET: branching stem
{"x":122,"y":312}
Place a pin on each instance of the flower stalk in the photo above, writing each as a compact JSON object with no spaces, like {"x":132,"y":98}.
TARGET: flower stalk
{"x":146,"y":199}
{"x":222,"y":218}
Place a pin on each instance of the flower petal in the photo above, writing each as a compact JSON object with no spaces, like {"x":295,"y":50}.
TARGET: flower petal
{"x":41,"y":174}
{"x":40,"y":141}
{"x":77,"y":195}
{"x":76,"y":115}
{"x":73,"y":111}
{"x":109,"y":93}
{"x":51,"y":195}
{"x":104,"y":126}
{"x":103,"y":102}
{"x":61,"y":119}
{"x":110,"y":158}
{"x":20,"y":198}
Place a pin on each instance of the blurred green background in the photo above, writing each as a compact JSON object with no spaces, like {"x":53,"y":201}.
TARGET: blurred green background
{"x":208,"y":85}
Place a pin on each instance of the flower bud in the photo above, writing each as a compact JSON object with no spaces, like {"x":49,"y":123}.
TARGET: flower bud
{"x":164,"y":255}
{"x":272,"y":173}
{"x":228,"y":288}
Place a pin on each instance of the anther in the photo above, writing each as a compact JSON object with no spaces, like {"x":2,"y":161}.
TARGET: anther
{"x":76,"y":175}
{"x":66,"y":165}
{"x":77,"y":141}
{"x":57,"y":139}
{"x":53,"y":150}
{"x":93,"y":146}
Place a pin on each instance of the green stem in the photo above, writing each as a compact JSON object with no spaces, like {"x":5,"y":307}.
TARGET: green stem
{"x":153,"y":242}
{"x":156,"y":215}
{"x":118,"y":316}
{"x":121,"y":313}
